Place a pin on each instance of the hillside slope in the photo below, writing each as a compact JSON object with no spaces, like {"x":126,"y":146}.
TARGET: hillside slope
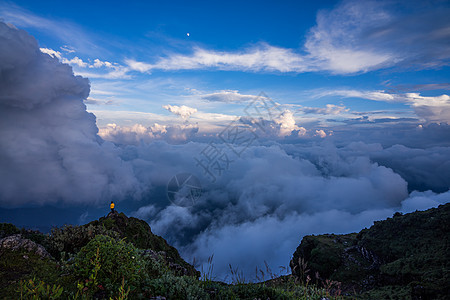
{"x":406,"y":256}
{"x":70,"y":239}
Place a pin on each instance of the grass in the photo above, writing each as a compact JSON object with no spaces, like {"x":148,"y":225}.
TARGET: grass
{"x":35,"y":278}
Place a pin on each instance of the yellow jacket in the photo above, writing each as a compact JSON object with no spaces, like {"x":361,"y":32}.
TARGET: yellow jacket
{"x":112,"y":205}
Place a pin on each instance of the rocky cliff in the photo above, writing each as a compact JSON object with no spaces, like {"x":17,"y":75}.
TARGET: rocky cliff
{"x":406,"y":256}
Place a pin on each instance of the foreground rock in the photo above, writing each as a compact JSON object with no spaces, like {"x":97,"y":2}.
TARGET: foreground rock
{"x":406,"y":256}
{"x":17,"y":243}
{"x":70,"y":239}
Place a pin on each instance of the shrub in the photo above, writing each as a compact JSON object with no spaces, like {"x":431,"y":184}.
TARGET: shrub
{"x":70,"y":239}
{"x":104,"y":262}
{"x":32,"y":289}
{"x":178,"y":287}
{"x":7,"y":229}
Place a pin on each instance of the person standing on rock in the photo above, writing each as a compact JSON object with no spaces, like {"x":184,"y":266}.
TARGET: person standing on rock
{"x":112,"y":207}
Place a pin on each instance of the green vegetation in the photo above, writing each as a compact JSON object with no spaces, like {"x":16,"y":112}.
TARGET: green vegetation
{"x":30,"y":289}
{"x":403,"y":257}
{"x":105,"y":262}
{"x":17,"y":266}
{"x":70,"y":239}
{"x":120,"y":258}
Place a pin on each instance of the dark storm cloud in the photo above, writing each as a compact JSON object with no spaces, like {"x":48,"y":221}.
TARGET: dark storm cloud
{"x":50,"y":149}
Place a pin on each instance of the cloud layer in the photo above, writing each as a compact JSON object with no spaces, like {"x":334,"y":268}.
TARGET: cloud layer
{"x":137,"y":134}
{"x":51,"y":151}
{"x":432,"y":109}
{"x":261,"y":206}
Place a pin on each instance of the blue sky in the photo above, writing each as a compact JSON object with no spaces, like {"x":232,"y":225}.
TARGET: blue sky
{"x":352,"y":54}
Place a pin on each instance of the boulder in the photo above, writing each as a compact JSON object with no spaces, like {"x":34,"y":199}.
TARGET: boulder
{"x":17,"y":243}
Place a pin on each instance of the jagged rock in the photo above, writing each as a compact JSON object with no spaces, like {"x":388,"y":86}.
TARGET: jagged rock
{"x":16,"y":242}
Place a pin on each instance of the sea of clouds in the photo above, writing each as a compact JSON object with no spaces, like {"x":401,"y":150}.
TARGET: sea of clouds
{"x":280,"y":188}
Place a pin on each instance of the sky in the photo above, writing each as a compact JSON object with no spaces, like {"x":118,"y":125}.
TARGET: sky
{"x":233,"y":128}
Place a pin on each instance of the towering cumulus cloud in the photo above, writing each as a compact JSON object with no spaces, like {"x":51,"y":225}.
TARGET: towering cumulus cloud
{"x":50,"y":150}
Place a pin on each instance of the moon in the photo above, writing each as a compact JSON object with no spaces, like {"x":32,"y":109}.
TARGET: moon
{"x":187,"y":34}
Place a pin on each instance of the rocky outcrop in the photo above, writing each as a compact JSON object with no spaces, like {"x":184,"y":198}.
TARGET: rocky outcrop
{"x":71,"y":239}
{"x":17,"y":243}
{"x":406,"y":255}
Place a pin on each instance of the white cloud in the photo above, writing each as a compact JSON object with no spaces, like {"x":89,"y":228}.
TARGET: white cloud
{"x":115,"y":70}
{"x":183,"y":111}
{"x":286,"y":122}
{"x":321,"y":133}
{"x":329,"y":109}
{"x":67,"y":49}
{"x":336,"y":42}
{"x":260,"y":58}
{"x":266,"y":58}
{"x":370,"y":95}
{"x":51,"y":52}
{"x":280,"y":126}
{"x":98,"y":64}
{"x":75,"y":61}
{"x":228,"y":96}
{"x":431,"y":109}
{"x":137,"y":134}
{"x":418,"y":100}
